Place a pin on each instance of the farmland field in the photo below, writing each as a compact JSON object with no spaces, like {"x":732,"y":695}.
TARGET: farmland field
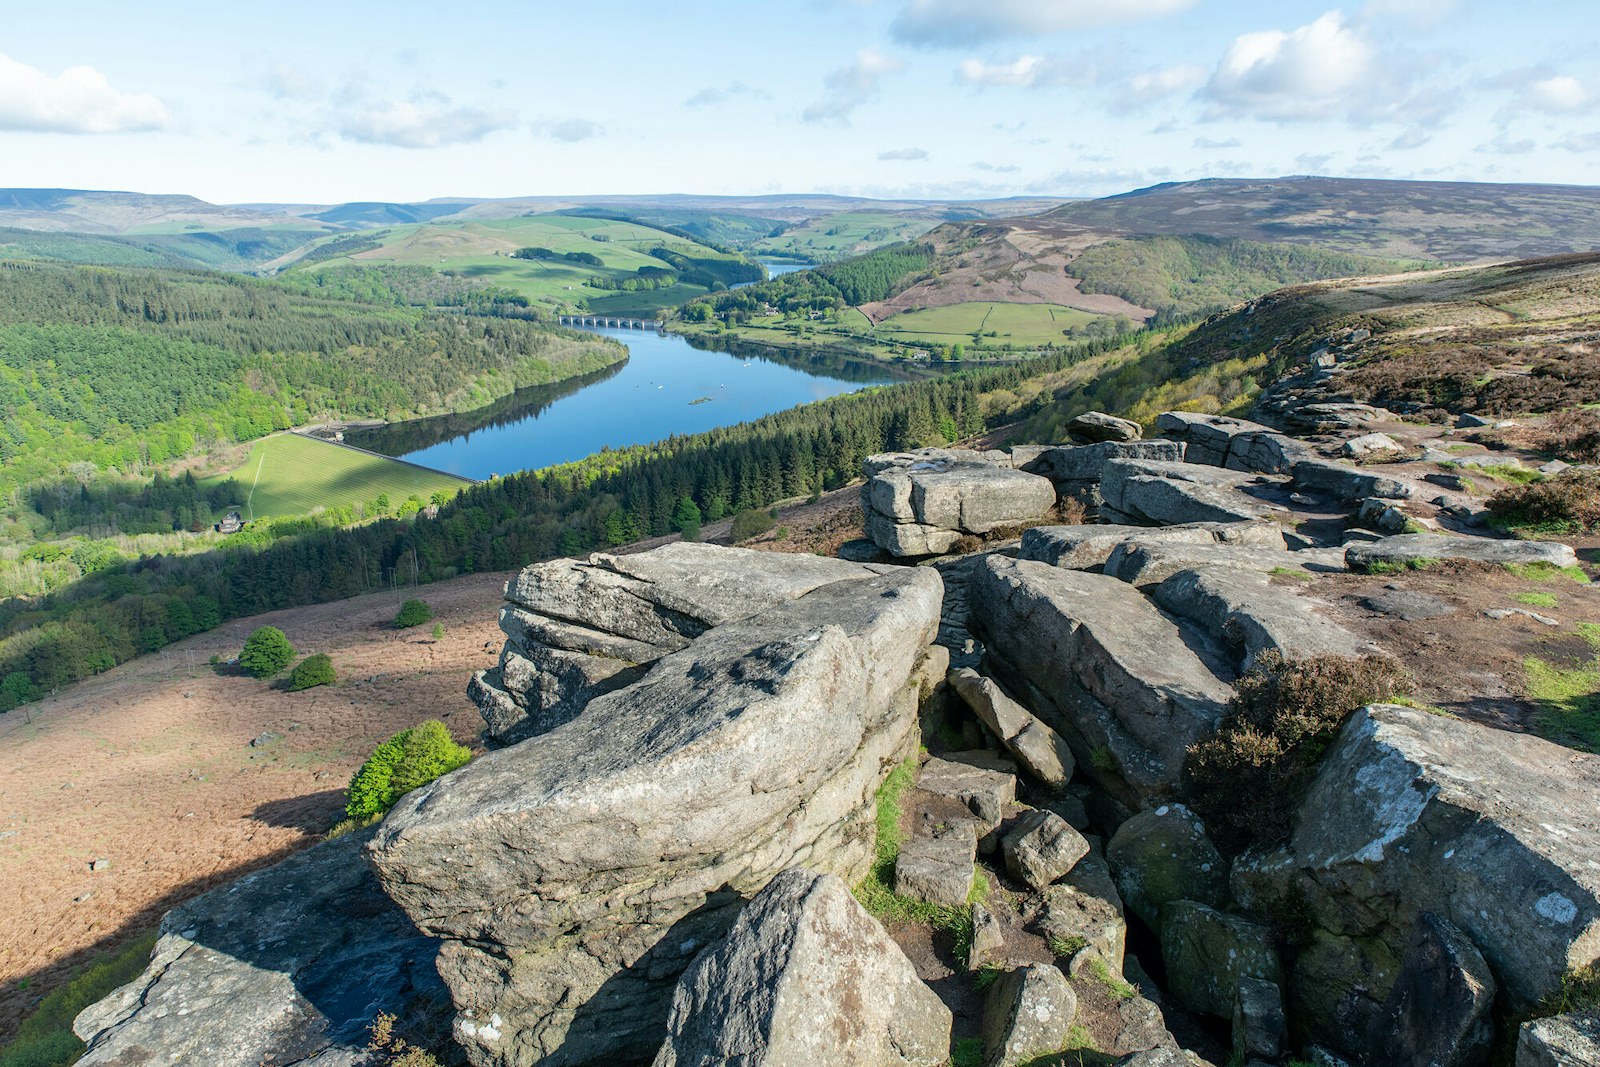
{"x":1011,"y":323}
{"x":846,"y":233}
{"x":483,"y":249}
{"x":287,"y":474}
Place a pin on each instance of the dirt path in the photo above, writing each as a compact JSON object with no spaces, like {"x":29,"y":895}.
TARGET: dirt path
{"x":151,"y":768}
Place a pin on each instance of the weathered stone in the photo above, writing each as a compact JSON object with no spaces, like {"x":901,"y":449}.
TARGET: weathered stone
{"x":1165,"y":494}
{"x":1209,"y":438}
{"x":926,"y":500}
{"x":804,"y":953}
{"x":1437,"y":1014}
{"x":984,"y":790}
{"x":577,"y":629}
{"x":1146,"y":563}
{"x":1039,"y":749}
{"x":1163,"y":1055}
{"x":1027,"y":1014}
{"x":908,"y":539}
{"x":1259,"y":1026}
{"x":1041,"y":847}
{"x":988,"y":939}
{"x":1348,"y":483}
{"x":938,"y":868}
{"x":1408,"y":549}
{"x":575,"y":875}
{"x":1208,"y":952}
{"x":862,"y":550}
{"x":284,"y":965}
{"x":1086,"y":547}
{"x":1376,"y":513}
{"x":1334,"y":416}
{"x":1098,"y":426}
{"x":1074,"y":467}
{"x":1139,"y":1027}
{"x":1409,"y":605}
{"x":1161,"y":855}
{"x":1255,"y":614}
{"x":1105,"y":670}
{"x":1571,"y":1040}
{"x":1369,"y":444}
{"x":1084,"y":907}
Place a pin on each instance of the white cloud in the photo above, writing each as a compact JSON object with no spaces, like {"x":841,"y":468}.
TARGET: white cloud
{"x":1561,"y":93}
{"x":427,"y":121}
{"x":905,"y":154}
{"x":1209,"y":143}
{"x":851,"y":86}
{"x":959,"y":23}
{"x":716,"y":95}
{"x":288,"y":82}
{"x":1580,"y":142}
{"x":1325,"y":70}
{"x":78,"y":100}
{"x":1037,"y":72}
{"x":1155,"y":84}
{"x":568,"y":130}
{"x":1412,"y":138}
{"x":996,"y":168}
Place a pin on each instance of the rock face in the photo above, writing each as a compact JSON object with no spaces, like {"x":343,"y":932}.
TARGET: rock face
{"x":288,"y":965}
{"x":1253,"y":614}
{"x":1094,"y":426}
{"x":1076,"y":470}
{"x":1234,"y":443}
{"x":1208,"y":952}
{"x":1437,"y":1014}
{"x":1085,"y":547}
{"x":920,"y":503}
{"x":1148,"y":493}
{"x":1085,"y":906}
{"x":1026,"y":1014}
{"x":805,"y":976}
{"x":575,"y":875}
{"x":939,"y":867}
{"x":1571,"y":1040}
{"x":1103,"y":668}
{"x":1161,"y":855}
{"x":1041,"y":847}
{"x":1412,"y":813}
{"x":1406,"y":549}
{"x":1347,"y":483}
{"x":576,"y":629}
{"x":1039,"y":749}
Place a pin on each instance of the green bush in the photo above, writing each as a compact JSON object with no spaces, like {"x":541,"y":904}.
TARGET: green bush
{"x":312,"y":671}
{"x":749,"y":523}
{"x":266,"y":652}
{"x":45,"y":1038}
{"x":412,"y":613}
{"x":1569,"y":501}
{"x":407,"y":760}
{"x":1247,"y":781}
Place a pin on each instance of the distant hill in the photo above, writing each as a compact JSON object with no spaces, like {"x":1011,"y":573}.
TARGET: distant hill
{"x":1453,"y":222}
{"x":96,"y":211}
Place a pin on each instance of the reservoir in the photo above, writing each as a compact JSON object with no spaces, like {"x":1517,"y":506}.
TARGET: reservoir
{"x":666,"y":387}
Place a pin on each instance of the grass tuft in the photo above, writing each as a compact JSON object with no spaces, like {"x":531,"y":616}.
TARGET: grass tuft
{"x":1569,"y":702}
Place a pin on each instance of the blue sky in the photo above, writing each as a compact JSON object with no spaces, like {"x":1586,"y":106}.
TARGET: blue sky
{"x":356,"y":100}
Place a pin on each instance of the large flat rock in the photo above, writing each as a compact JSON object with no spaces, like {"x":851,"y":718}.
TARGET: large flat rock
{"x":1409,"y":549}
{"x":1234,"y":443}
{"x":288,"y":965}
{"x":1253,"y":614}
{"x":1102,"y":666}
{"x":575,"y":875}
{"x":1152,"y":493}
{"x":1085,"y":547}
{"x":939,"y":495}
{"x":576,"y":629}
{"x":1147,"y":562}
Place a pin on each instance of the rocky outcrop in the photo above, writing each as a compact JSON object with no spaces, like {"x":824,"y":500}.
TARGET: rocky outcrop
{"x":1076,"y":470}
{"x":921,"y":503}
{"x":805,"y":976}
{"x":1144,"y":563}
{"x":1162,"y":855}
{"x":1234,"y":443}
{"x":1084,"y":908}
{"x":1039,"y":749}
{"x":1348,"y":483}
{"x":1093,"y":426}
{"x":1571,"y":1040}
{"x":576,"y":629}
{"x":1437,"y":1014}
{"x":1086,"y":547}
{"x":1103,"y":668}
{"x":1149,"y":493}
{"x":1412,"y":813}
{"x":1041,"y":847}
{"x":575,"y":875}
{"x":1253,"y":614}
{"x":1027,"y":1013}
{"x":289,"y":965}
{"x":1410,"y":550}
{"x":1208,"y":953}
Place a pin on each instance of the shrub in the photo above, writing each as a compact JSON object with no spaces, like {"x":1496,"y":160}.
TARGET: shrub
{"x":750,"y":523}
{"x":1569,"y":501}
{"x":1571,"y":435}
{"x":1247,"y":781}
{"x":266,"y":652}
{"x":45,"y":1038}
{"x":438,"y":631}
{"x":412,"y":613}
{"x":407,"y":760}
{"x":312,"y":671}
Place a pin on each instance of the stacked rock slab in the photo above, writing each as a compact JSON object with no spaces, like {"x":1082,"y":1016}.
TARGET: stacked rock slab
{"x":1156,"y":493}
{"x":574,"y":876}
{"x":1086,"y":547}
{"x":1102,"y":667}
{"x":1234,"y":443}
{"x":1076,"y":470}
{"x":287,"y":965}
{"x":576,"y":629}
{"x":805,"y":976}
{"x":1411,"y":813}
{"x":921,"y":503}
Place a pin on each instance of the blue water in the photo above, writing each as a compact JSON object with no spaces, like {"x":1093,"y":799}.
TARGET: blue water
{"x":775,"y":269}
{"x":648,"y":399}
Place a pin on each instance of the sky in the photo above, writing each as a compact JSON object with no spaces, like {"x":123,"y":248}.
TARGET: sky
{"x":341,"y":100}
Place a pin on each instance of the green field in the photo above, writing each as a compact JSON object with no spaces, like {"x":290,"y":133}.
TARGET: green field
{"x":1021,"y":324}
{"x":287,"y":474}
{"x":830,"y":237}
{"x":482,"y":249}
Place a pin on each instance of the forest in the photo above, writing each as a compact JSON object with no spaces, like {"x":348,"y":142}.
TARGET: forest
{"x":131,"y":369}
{"x":608,"y":499}
{"x":847,"y":283}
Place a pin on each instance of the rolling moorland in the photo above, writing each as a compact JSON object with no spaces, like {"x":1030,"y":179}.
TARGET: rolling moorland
{"x":305,"y":345}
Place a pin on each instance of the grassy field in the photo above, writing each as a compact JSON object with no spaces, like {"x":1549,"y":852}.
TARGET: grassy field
{"x":846,"y":233}
{"x":482,"y":249}
{"x":1022,"y":324}
{"x":287,"y":474}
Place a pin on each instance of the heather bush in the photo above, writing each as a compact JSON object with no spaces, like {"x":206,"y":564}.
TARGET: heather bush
{"x":1568,"y":502}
